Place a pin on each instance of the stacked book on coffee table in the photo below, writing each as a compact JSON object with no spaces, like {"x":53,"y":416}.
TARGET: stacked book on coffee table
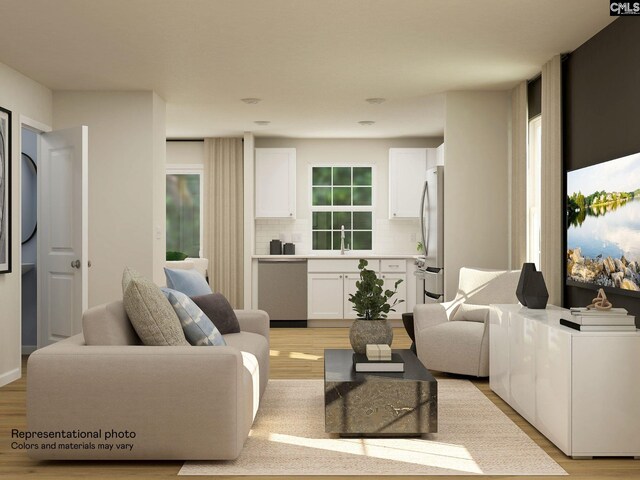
{"x":591,"y":320}
{"x":378,"y":358}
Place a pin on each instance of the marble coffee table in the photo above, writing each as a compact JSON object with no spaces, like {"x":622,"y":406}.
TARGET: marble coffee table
{"x":378,"y":404}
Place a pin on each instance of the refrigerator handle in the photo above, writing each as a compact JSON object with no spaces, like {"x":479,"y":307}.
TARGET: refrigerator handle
{"x":422,"y":230}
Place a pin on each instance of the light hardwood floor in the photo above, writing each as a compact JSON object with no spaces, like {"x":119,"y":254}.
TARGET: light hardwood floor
{"x":295,"y":353}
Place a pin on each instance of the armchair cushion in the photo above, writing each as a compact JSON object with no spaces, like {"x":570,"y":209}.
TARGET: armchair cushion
{"x":151,"y":314}
{"x":197,"y":327}
{"x":471,"y":313}
{"x":219,"y":310}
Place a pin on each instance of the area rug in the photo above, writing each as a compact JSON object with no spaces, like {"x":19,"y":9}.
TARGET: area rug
{"x":474,"y":438}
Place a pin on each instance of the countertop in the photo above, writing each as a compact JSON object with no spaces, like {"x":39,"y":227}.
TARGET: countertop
{"x":320,"y":256}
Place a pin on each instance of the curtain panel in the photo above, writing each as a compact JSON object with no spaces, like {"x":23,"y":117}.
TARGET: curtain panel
{"x":552,"y":225}
{"x":519,"y":141}
{"x":224,"y":222}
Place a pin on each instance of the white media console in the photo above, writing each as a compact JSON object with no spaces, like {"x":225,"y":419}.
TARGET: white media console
{"x":579,"y":389}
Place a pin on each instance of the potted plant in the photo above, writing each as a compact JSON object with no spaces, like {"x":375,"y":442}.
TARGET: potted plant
{"x":371,"y":303}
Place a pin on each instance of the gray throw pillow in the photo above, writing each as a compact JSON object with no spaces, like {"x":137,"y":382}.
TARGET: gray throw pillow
{"x":219,"y":310}
{"x":151,"y":314}
{"x":471,"y":313}
{"x":197,"y":327}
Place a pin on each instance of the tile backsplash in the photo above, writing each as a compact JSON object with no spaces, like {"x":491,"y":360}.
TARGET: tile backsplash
{"x":389,"y":236}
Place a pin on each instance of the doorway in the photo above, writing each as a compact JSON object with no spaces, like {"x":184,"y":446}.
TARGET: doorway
{"x":29,"y":238}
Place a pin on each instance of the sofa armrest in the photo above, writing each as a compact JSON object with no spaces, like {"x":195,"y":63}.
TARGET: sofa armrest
{"x":181,"y":402}
{"x":255,"y":321}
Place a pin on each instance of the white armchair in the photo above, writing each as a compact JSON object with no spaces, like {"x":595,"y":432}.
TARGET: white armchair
{"x":454,"y":336}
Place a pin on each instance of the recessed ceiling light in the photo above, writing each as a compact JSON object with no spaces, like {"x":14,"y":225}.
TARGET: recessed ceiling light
{"x":366,"y":122}
{"x":376,"y":101}
{"x":262,"y":122}
{"x":250,"y":101}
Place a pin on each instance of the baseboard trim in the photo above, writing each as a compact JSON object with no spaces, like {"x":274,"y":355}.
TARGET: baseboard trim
{"x":28,"y":349}
{"x":10,"y":376}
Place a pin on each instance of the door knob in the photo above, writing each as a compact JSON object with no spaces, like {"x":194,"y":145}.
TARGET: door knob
{"x":75,"y":264}
{"x":89,"y":264}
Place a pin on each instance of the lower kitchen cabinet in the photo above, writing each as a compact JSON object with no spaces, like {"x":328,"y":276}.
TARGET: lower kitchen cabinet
{"x":328,"y":293}
{"x":325,"y":293}
{"x":389,"y":281}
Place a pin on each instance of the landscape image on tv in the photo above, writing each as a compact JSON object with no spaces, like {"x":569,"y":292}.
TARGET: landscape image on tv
{"x":603,"y":224}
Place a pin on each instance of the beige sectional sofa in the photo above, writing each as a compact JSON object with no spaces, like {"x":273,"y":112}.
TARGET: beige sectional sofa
{"x":157,"y":403}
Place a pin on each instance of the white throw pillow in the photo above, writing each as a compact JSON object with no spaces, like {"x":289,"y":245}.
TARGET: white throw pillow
{"x":471,"y":313}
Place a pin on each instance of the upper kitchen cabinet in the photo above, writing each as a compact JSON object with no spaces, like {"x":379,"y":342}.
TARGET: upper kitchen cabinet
{"x":407,"y":173}
{"x":275,"y":183}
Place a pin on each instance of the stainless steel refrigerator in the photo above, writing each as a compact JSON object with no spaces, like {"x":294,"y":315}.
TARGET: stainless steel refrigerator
{"x":431,"y":264}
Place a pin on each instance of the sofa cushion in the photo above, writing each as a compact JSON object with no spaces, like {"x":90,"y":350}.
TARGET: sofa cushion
{"x":217,"y":308}
{"x":108,"y":324}
{"x":197,"y":327}
{"x":256,"y":345}
{"x":189,"y":282}
{"x":470,"y":312}
{"x":151,"y":314}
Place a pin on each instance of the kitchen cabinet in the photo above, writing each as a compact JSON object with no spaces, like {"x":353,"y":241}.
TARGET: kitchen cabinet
{"x":407,"y":173}
{"x":325,"y":293}
{"x":391,"y":271}
{"x":331,"y":281}
{"x":275,"y":183}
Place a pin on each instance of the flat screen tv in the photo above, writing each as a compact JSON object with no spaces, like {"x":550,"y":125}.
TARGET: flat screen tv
{"x":603,"y":225}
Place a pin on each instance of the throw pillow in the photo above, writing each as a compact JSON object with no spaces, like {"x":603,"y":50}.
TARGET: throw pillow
{"x":189,"y":282}
{"x":471,"y":313}
{"x":150,"y":313}
{"x":219,"y":310}
{"x":197,"y":327}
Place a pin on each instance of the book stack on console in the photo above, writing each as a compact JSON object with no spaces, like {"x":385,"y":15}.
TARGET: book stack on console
{"x":378,"y":358}
{"x":589,"y":320}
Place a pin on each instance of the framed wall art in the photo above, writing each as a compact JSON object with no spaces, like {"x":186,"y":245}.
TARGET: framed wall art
{"x":5,"y":190}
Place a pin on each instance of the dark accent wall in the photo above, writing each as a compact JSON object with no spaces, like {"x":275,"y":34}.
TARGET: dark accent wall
{"x":601,"y":114}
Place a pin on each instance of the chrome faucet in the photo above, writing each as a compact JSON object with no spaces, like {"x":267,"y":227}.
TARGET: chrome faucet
{"x":342,"y":249}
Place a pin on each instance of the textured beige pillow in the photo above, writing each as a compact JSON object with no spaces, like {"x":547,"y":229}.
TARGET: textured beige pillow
{"x":471,"y":313}
{"x":152,"y":316}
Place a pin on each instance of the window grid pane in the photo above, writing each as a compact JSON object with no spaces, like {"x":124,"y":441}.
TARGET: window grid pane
{"x":342,"y":196}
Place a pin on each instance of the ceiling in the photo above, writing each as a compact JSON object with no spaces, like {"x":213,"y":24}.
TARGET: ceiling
{"x":313,"y":63}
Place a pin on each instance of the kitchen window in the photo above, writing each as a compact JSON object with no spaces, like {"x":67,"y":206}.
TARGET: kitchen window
{"x":184,"y":212}
{"x":342,"y":196}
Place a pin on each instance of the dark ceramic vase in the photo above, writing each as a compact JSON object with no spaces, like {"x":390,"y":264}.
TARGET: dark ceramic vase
{"x":535,"y":293}
{"x":527,"y":270}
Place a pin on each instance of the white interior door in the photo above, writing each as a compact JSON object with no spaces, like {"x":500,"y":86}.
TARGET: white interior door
{"x":62,"y":233}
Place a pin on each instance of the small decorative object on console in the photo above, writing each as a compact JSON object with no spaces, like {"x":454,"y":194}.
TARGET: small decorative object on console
{"x":532,"y":291}
{"x":601,"y":302}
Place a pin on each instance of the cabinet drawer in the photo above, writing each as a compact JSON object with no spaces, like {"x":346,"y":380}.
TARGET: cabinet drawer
{"x":339,"y":265}
{"x":390,"y":266}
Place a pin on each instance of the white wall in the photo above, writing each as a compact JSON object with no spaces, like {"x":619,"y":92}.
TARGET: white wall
{"x":390,"y":236}
{"x":25,"y":97}
{"x":185,"y":153}
{"x":476,"y":183}
{"x":126,"y":183}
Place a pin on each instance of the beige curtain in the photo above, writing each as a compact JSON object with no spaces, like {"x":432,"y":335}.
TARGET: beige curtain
{"x":224,"y":234}
{"x":551,"y":216}
{"x":519,"y":130}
